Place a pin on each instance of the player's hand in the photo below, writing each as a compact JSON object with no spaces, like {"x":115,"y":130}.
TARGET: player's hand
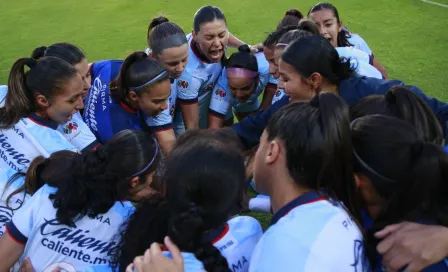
{"x":256,"y":48}
{"x":412,"y":246}
{"x":155,"y":261}
{"x":26,"y":266}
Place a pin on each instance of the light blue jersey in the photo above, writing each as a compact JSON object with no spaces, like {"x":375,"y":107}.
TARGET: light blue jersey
{"x":360,"y":61}
{"x":311,"y":233}
{"x":359,"y":43}
{"x":50,"y":244}
{"x":222,"y":101}
{"x":236,"y":242}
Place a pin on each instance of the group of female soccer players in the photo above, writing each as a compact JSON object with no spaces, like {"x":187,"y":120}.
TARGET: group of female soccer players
{"x":136,"y":165}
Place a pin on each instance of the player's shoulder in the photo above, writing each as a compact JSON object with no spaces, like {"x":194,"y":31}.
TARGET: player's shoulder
{"x":244,"y":226}
{"x":3,"y":92}
{"x":263,"y":64}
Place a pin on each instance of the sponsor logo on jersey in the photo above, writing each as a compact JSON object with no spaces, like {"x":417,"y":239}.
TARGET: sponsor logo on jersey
{"x":220,"y":92}
{"x":182,"y":84}
{"x":70,"y":127}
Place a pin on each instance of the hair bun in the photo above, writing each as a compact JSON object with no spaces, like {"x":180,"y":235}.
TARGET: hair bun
{"x":158,"y":21}
{"x":244,"y":48}
{"x":294,"y":12}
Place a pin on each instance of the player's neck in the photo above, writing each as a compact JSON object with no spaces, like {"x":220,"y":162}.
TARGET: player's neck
{"x":284,"y":190}
{"x":328,"y":87}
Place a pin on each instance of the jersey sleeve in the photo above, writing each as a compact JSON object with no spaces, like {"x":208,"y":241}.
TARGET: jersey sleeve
{"x":361,"y":44}
{"x":221,"y":99}
{"x":24,"y":219}
{"x":161,"y":122}
{"x":188,"y":88}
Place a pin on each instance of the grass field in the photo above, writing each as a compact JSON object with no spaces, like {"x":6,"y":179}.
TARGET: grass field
{"x":408,"y":36}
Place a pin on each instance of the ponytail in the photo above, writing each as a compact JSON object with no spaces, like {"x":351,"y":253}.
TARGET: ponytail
{"x":19,"y":99}
{"x":187,"y":232}
{"x":404,"y":104}
{"x":291,"y":18}
{"x":138,"y":72}
{"x":38,"y":52}
{"x":47,"y":77}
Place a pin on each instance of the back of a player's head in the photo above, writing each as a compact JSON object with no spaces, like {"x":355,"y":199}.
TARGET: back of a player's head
{"x":272,"y":39}
{"x":95,"y":180}
{"x":137,"y":73}
{"x":291,"y":18}
{"x":66,"y":51}
{"x":203,"y":176}
{"x":408,"y":173}
{"x":293,"y":35}
{"x":316,"y":137}
{"x":404,"y":104}
{"x":315,"y":54}
{"x":243,"y":59}
{"x":160,"y":29}
{"x":207,"y":14}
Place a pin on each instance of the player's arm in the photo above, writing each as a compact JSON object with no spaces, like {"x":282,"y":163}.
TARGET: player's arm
{"x":187,"y":95}
{"x":268,"y":95}
{"x":234,"y":41}
{"x":380,"y":68}
{"x":10,"y":251}
{"x":219,"y":103}
{"x":166,"y":140}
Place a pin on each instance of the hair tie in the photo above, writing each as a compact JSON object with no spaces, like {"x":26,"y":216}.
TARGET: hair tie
{"x":31,"y":63}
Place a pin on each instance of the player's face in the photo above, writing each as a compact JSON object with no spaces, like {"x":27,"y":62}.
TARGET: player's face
{"x":212,"y":39}
{"x":84,"y":71}
{"x":174,"y":60}
{"x":154,"y":100}
{"x":242,"y":88}
{"x":329,"y":26}
{"x":62,"y":106}
{"x":369,"y":194}
{"x":293,"y":84}
{"x":273,"y":68}
{"x":259,"y":165}
{"x":269,"y":54}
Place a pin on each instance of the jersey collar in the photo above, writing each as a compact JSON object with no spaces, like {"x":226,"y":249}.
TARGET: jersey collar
{"x":42,"y":121}
{"x":197,"y":52}
{"x":307,"y":198}
{"x":127,"y":108}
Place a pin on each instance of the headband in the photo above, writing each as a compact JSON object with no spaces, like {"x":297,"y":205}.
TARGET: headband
{"x":150,"y":163}
{"x":363,"y":163}
{"x":163,"y":73}
{"x":175,"y":40}
{"x":282,"y":44}
{"x":240,"y":72}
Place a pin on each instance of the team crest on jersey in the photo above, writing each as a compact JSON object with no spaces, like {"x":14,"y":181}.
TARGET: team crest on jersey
{"x":278,"y":93}
{"x":70,"y":127}
{"x":182,"y":84}
{"x":220,"y":92}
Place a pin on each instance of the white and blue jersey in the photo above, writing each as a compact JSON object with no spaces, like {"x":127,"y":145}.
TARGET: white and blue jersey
{"x":222,"y":100}
{"x":311,"y":233}
{"x":78,"y":133}
{"x":105,"y":116}
{"x":196,"y":83}
{"x":359,"y":43}
{"x":7,"y":210}
{"x":360,"y":61}
{"x":48,"y":243}
{"x":236,"y":242}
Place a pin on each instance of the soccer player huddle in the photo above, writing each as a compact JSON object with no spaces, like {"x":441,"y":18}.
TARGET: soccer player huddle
{"x":137,"y":164}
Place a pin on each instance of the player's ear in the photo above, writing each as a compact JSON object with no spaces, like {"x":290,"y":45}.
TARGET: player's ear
{"x":195,"y":35}
{"x":133,"y":96}
{"x":134,"y":182}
